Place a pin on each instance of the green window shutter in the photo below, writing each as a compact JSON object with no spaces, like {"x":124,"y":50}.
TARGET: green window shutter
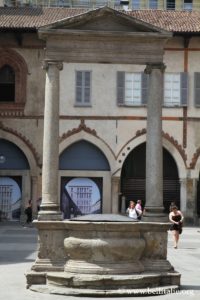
{"x":144,"y":87}
{"x":197,"y":89}
{"x":184,"y":88}
{"x":120,"y":88}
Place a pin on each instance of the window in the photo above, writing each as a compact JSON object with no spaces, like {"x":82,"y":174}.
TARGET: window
{"x":136,"y":4}
{"x":175,"y":89}
{"x":13,"y":78}
{"x":172,"y":89}
{"x":7,"y":84}
{"x":187,"y":4}
{"x":83,"y":87}
{"x":171,"y":5}
{"x":131,"y":88}
{"x":153,"y":4}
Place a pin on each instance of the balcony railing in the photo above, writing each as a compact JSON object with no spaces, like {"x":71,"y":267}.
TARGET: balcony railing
{"x":132,"y":4}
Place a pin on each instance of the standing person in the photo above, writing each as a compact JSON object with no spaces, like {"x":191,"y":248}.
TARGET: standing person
{"x":139,"y":207}
{"x":176,"y":218}
{"x":132,"y":211}
{"x":171,"y":205}
{"x":28,"y":212}
{"x":39,"y":200}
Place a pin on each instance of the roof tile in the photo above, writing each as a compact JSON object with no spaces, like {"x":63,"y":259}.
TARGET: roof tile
{"x":32,"y":18}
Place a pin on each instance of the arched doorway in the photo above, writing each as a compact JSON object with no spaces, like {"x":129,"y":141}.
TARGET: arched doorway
{"x":82,"y":194}
{"x":134,"y":173}
{"x":13,"y":164}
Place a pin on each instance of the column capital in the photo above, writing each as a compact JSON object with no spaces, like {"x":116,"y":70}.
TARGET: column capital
{"x":53,"y":62}
{"x":153,"y":66}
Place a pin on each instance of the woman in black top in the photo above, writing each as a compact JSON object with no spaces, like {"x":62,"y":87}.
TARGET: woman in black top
{"x":176,"y":218}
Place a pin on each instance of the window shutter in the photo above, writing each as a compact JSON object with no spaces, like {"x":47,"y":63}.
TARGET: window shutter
{"x":120,"y":88}
{"x":184,"y":88}
{"x":144,"y":88}
{"x":87,"y":87}
{"x":197,"y":89}
{"x":79,"y":83}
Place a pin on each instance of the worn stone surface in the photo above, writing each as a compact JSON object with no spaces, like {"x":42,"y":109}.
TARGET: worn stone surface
{"x":93,"y":257}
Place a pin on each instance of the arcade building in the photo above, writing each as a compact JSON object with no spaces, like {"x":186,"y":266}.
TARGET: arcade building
{"x":102,"y":108}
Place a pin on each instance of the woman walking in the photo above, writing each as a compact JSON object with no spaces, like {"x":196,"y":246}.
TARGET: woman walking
{"x":176,"y":218}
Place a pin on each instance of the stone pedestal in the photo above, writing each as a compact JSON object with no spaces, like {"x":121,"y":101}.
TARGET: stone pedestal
{"x":108,"y":255}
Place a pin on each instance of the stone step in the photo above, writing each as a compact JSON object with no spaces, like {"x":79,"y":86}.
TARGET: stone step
{"x":60,"y":290}
{"x":111,"y":282}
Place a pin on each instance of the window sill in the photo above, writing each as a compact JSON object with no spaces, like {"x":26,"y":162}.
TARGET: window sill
{"x":174,"y":106}
{"x":132,"y":105}
{"x":82,"y":105}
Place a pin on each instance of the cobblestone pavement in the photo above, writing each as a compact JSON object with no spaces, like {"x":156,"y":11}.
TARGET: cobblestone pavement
{"x":18,"y":247}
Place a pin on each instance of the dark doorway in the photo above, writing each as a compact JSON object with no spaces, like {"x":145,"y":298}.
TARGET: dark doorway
{"x":134,"y":174}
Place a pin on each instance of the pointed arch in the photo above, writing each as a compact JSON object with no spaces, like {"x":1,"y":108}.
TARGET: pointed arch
{"x":93,"y":140}
{"x":23,"y":147}
{"x":139,"y":139}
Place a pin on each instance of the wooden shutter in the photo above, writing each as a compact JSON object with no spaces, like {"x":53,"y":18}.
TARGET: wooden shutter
{"x":144,"y":87}
{"x":87,"y":87}
{"x":79,"y":83}
{"x":184,"y":88}
{"x":197,"y":88}
{"x":120,"y":88}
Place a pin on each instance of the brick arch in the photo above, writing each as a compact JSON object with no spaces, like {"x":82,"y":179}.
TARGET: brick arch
{"x":24,"y":144}
{"x":79,"y":133}
{"x":16,"y":61}
{"x":195,"y":159}
{"x":169,"y":143}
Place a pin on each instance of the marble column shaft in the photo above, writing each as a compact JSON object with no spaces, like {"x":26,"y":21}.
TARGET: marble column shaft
{"x":50,"y":205}
{"x":154,"y":153}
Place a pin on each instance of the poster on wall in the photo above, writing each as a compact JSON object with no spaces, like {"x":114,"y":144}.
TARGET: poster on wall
{"x":10,"y":199}
{"x":81,"y":196}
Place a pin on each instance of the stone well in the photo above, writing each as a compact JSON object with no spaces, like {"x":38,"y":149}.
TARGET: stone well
{"x":108,"y":255}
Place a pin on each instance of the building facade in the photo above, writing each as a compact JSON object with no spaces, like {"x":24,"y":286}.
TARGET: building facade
{"x":102,"y":118}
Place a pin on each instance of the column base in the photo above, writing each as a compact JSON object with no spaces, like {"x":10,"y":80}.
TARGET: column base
{"x":50,"y":212}
{"x":50,"y":216}
{"x":155,"y":214}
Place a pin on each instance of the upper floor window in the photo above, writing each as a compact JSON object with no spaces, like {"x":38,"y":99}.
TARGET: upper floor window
{"x":131,"y":88}
{"x":13,"y":78}
{"x":136,"y":4}
{"x":83,"y":83}
{"x":175,"y":89}
{"x":7,"y":84}
{"x":171,"y":4}
{"x":153,"y":4}
{"x":187,"y":4}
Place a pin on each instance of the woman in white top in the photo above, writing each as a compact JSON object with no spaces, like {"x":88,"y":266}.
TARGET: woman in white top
{"x":132,"y":211}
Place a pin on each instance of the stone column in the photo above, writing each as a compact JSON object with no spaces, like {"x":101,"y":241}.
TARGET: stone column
{"x":154,"y":152}
{"x":190,"y":213}
{"x":50,"y":208}
{"x":115,"y":194}
{"x":183,"y":194}
{"x":34,"y":195}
